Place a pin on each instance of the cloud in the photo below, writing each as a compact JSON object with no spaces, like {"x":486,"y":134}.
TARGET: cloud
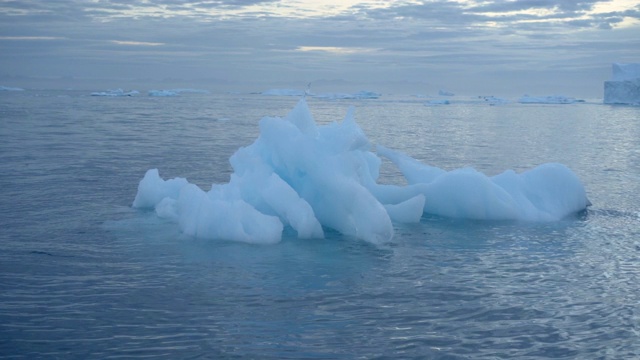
{"x":27,"y":38}
{"x":298,"y":40}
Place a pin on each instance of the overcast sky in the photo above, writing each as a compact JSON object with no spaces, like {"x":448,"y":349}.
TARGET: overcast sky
{"x":540,"y":47}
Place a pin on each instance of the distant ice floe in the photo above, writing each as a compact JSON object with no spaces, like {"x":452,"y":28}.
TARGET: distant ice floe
{"x":313,"y":177}
{"x":7,"y":88}
{"x":116,"y":92}
{"x":283,"y":92}
{"x":624,"y":86}
{"x":445,"y":93}
{"x":438,"y":102}
{"x":175,"y":92}
{"x":358,"y":95}
{"x":493,"y":100}
{"x":552,"y":99}
{"x":163,"y":93}
{"x":327,"y":96}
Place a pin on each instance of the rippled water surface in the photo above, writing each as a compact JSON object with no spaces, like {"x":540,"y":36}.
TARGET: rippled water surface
{"x":82,"y":275}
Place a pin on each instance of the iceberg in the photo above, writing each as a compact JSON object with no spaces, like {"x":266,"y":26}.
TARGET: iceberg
{"x":115,"y":92}
{"x":552,"y":99}
{"x":344,"y":96}
{"x":327,"y":96}
{"x":445,"y":93}
{"x":493,"y":100}
{"x":175,"y":92}
{"x":191,"y":91}
{"x":624,"y":86}
{"x":438,"y":102}
{"x":283,"y":92}
{"x":7,"y":88}
{"x":163,"y":93}
{"x":624,"y":72}
{"x":310,"y":178}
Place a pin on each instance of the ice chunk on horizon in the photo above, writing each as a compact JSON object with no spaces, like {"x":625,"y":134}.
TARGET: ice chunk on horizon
{"x":445,"y":93}
{"x":437,"y":102}
{"x":622,"y":92}
{"x":624,"y":72}
{"x":551,"y":99}
{"x":624,"y":86}
{"x":494,"y":100}
{"x":346,"y":96}
{"x":326,"y":96}
{"x":176,"y":92}
{"x":283,"y":92}
{"x":8,"y":88}
{"x":115,"y":92}
{"x":163,"y":93}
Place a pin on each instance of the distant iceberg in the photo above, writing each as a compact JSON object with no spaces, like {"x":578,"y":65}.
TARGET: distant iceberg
{"x":493,"y":100}
{"x":552,"y":99}
{"x":358,"y":95}
{"x":116,"y":92}
{"x":163,"y":93}
{"x":438,"y":102}
{"x":624,"y":86}
{"x":445,"y":93}
{"x":7,"y":88}
{"x":175,"y":92}
{"x":283,"y":92}
{"x":192,"y":91}
{"x":313,"y":177}
{"x":328,"y":96}
{"x":624,"y":72}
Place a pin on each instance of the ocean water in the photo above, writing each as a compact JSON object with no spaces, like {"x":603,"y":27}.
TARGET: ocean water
{"x":83,"y":275}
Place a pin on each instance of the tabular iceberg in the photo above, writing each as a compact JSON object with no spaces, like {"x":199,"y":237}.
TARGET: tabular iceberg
{"x":624,"y":86}
{"x":551,"y":99}
{"x":308,"y":177}
{"x":363,"y":94}
{"x":115,"y":92}
{"x":175,"y":92}
{"x":7,"y":88}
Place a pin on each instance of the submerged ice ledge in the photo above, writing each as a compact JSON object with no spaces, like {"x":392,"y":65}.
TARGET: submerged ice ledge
{"x":311,"y":177}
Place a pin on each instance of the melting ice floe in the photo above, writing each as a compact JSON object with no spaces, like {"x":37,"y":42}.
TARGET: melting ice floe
{"x":175,"y":92}
{"x":306,"y":176}
{"x":345,"y":96}
{"x":7,"y":88}
{"x":552,"y":99}
{"x":438,"y":102}
{"x":115,"y":92}
{"x":327,"y":96}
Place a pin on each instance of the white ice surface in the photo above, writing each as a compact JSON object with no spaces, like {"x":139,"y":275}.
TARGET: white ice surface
{"x":624,"y":86}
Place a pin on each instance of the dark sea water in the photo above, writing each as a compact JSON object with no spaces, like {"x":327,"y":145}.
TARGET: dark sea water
{"x":83,"y":275}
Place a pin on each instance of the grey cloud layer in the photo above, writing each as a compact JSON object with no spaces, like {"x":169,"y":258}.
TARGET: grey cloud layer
{"x":435,"y":40}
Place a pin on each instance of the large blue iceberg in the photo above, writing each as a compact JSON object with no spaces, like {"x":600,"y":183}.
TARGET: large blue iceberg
{"x":624,"y":86}
{"x":311,"y":177}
